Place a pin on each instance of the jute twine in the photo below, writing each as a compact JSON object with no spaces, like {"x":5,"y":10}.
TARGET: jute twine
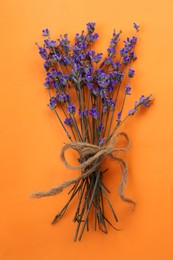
{"x":95,"y":155}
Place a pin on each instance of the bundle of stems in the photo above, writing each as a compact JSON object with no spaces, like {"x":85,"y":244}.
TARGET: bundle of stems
{"x":88,"y":93}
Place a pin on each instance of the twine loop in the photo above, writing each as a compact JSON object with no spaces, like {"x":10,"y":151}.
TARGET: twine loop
{"x":91,"y":157}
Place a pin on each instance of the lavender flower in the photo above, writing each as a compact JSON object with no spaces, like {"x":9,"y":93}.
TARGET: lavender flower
{"x":132,"y":55}
{"x":45,"y":32}
{"x":56,"y":57}
{"x":133,"y":40}
{"x":63,"y":97}
{"x":47,"y":65}
{"x":131,"y":73}
{"x":111,"y":51}
{"x":50,"y":44}
{"x":90,"y":53}
{"x":95,"y":91}
{"x":127,"y":90}
{"x":131,"y":112}
{"x":88,"y":77}
{"x":108,"y":61}
{"x":103,"y":80}
{"x":90,"y":27}
{"x":68,"y":121}
{"x":92,"y":37}
{"x":136,"y":27}
{"x":97,"y":57}
{"x":79,"y":83}
{"x":126,"y":60}
{"x":52,"y":103}
{"x":64,"y":43}
{"x":101,"y":141}
{"x":90,"y":85}
{"x":94,"y":113}
{"x":119,"y":116}
{"x":47,"y":83}
{"x":123,"y":52}
{"x":144,"y":101}
{"x":101,"y":128}
{"x":71,"y":109}
{"x":43,"y":52}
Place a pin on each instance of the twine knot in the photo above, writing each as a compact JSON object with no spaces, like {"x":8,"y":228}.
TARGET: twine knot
{"x":91,"y":157}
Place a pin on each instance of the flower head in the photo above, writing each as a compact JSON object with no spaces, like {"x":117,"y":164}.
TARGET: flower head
{"x":97,"y":57}
{"x":119,"y":116}
{"x":94,"y":113}
{"x":52,"y":103}
{"x":101,"y":128}
{"x":101,"y":141}
{"x":127,"y":90}
{"x":50,"y":44}
{"x":45,"y":32}
{"x":131,"y":73}
{"x":90,"y":27}
{"x":136,"y":27}
{"x":71,"y":109}
{"x":68,"y":121}
{"x":92,"y":37}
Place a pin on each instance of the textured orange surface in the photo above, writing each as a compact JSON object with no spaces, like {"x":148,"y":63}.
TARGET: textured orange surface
{"x":31,"y":137}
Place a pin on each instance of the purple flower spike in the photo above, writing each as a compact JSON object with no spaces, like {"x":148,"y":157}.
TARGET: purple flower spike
{"x":132,"y":112}
{"x":47,"y":83}
{"x":71,"y":109}
{"x":94,"y":113}
{"x":101,"y":128}
{"x":127,"y":90}
{"x":101,"y":141}
{"x":126,"y":60}
{"x":90,"y":27}
{"x":132,"y":56}
{"x":131,"y":73}
{"x":97,"y":57}
{"x":68,"y":121}
{"x":143,"y":101}
{"x":119,"y":116}
{"x":50,"y":44}
{"x":52,"y":103}
{"x":43,"y":52}
{"x":45,"y":33}
{"x":92,"y":37}
{"x":136,"y":27}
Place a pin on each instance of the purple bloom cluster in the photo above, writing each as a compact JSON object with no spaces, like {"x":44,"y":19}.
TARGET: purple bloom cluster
{"x":45,"y":32}
{"x":94,"y":113}
{"x":96,"y":79}
{"x":91,"y":27}
{"x":68,"y":121}
{"x":131,"y":73}
{"x":52,"y":103}
{"x":127,"y":90}
{"x":143,"y":101}
{"x":71,"y":109}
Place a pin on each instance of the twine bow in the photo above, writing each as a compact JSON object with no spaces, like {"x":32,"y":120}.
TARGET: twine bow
{"x":95,"y":155}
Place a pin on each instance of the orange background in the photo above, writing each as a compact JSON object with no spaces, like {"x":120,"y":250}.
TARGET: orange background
{"x":31,"y":137}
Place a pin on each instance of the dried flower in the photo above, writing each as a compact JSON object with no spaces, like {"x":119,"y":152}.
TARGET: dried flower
{"x":68,"y":121}
{"x":78,"y":78}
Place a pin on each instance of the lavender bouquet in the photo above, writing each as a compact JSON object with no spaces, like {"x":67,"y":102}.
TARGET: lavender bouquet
{"x":90,"y":91}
